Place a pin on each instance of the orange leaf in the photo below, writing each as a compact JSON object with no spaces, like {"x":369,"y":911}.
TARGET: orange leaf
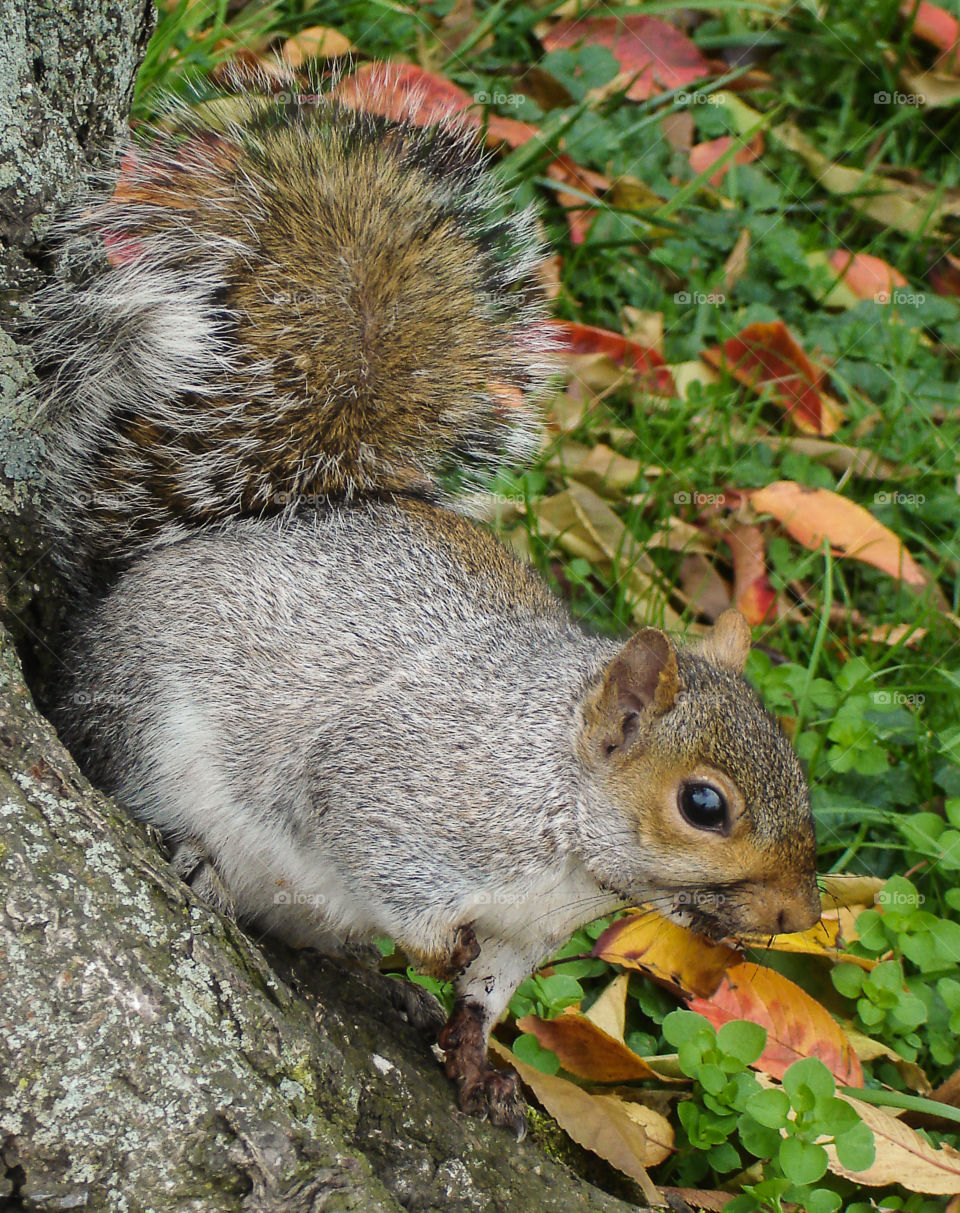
{"x":666,"y":951}
{"x":934,"y":25}
{"x":812,"y":515}
{"x":753,"y":593}
{"x":585,"y":339}
{"x":797,"y":1025}
{"x":657,"y":54}
{"x":867,"y":276}
{"x":766,"y":356}
{"x":586,"y":1050}
{"x":703,"y":155}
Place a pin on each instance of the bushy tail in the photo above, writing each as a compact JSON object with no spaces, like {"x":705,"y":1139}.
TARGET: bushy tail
{"x":300,"y":300}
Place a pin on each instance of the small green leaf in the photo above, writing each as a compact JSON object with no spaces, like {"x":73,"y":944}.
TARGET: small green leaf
{"x":848,"y":979}
{"x":680,"y":1026}
{"x":856,"y":1147}
{"x":822,"y":1200}
{"x":801,"y":1161}
{"x":743,"y":1040}
{"x":812,"y":1073}
{"x":529,"y":1049}
{"x":723,"y":1157}
{"x":769,"y":1107}
{"x":761,"y":1140}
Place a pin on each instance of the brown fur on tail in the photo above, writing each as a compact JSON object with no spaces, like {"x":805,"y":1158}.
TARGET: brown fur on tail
{"x":301,"y":301}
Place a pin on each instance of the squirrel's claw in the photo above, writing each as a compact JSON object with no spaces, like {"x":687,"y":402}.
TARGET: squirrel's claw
{"x":482,"y":1090}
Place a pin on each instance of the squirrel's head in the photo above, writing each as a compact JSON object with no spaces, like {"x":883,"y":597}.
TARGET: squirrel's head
{"x":697,"y":803}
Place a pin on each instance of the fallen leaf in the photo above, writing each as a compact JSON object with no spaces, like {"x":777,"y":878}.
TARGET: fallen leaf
{"x":797,"y":1025}
{"x":598,"y":466}
{"x":820,"y":940}
{"x":901,"y":205}
{"x":656,"y":1128}
{"x":702,"y":587}
{"x":704,"y":155}
{"x":609,"y":1011}
{"x":903,"y":1156}
{"x":700,"y":1198}
{"x":932,"y":90}
{"x":867,"y":276}
{"x":843,"y":889}
{"x":648,"y":941}
{"x":677,"y":129}
{"x":944,"y":275}
{"x":645,"y":360}
{"x":403,"y":91}
{"x":933,"y":24}
{"x":315,"y":42}
{"x":753,"y":592}
{"x":812,"y":515}
{"x":592,"y":1121}
{"x":837,"y":456}
{"x":654,"y":53}
{"x":868,"y":1049}
{"x":765,"y":357}
{"x":586,"y":1050}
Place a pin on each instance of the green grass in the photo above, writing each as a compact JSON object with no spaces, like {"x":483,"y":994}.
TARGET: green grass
{"x":880,"y":728}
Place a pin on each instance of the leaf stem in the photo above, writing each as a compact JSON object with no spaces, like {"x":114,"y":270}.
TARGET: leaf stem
{"x":898,"y":1099}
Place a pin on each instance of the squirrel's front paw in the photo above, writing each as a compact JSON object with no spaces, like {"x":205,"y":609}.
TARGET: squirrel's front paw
{"x":482,"y":1090}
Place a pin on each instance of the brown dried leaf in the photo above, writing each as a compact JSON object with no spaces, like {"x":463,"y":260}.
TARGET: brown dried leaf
{"x":315,"y":42}
{"x":592,"y":1121}
{"x":903,"y":1156}
{"x":586,"y":1050}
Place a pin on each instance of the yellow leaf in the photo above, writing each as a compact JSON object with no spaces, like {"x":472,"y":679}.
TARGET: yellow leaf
{"x":609,"y":1011}
{"x":650,"y":942}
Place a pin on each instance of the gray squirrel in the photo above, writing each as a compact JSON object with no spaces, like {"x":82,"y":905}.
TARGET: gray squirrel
{"x":348,"y":705}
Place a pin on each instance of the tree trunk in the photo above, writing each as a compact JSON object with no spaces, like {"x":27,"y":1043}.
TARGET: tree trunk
{"x":151,"y":1057}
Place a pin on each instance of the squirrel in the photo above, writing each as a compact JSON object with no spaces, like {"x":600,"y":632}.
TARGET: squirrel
{"x":345,"y":702}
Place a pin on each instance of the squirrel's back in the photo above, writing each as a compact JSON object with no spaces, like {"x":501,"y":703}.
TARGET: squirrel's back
{"x":301,"y":300}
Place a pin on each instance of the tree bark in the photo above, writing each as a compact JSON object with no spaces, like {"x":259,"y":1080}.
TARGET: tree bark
{"x":152,"y":1057}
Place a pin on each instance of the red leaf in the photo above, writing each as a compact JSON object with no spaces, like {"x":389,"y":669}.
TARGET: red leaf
{"x":585,"y":339}
{"x":753,"y":594}
{"x":766,"y":356}
{"x":647,"y":48}
{"x":944,"y":275}
{"x":797,"y":1025}
{"x":404,"y":91}
{"x":703,"y":155}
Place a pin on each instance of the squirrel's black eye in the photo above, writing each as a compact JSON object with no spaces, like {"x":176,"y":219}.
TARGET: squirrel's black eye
{"x":703,"y":806}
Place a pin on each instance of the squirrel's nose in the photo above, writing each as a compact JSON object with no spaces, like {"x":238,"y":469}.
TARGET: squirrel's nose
{"x":799,"y":915}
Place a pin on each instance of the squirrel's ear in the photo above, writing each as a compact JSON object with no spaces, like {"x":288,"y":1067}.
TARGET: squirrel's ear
{"x":642,"y":675}
{"x":728,"y":643}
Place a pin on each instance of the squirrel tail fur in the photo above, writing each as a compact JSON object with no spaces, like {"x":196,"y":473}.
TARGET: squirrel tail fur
{"x":300,"y":300}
